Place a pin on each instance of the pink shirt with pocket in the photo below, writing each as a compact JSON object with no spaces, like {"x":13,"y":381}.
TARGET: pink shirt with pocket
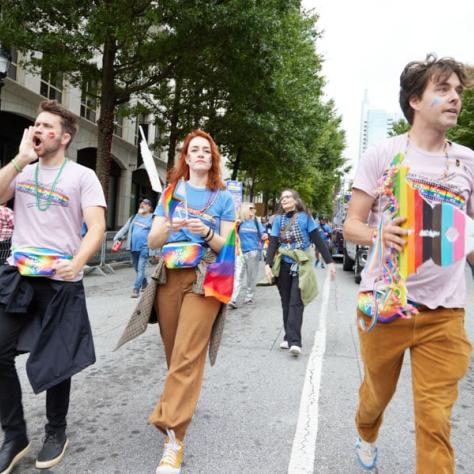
{"x":431,"y":285}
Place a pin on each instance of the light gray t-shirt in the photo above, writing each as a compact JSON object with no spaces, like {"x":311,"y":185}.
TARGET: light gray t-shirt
{"x":432,"y":285}
{"x":57,"y":229}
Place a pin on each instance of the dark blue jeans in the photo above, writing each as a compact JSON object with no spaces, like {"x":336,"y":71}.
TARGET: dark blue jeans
{"x":139,"y":260}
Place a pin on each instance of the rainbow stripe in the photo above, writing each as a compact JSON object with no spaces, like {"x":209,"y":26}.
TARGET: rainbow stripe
{"x":44,"y":193}
{"x":219,"y":280}
{"x":37,"y":261}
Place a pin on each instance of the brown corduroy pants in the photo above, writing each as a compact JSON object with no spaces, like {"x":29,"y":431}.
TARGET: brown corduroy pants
{"x":185,"y":320}
{"x":440,"y":355}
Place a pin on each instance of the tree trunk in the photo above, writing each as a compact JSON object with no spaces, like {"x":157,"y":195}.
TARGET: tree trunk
{"x":105,"y":124}
{"x":174,"y":132}
{"x":238,"y":158}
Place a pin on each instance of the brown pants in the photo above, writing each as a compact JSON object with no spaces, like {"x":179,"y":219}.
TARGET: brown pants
{"x":440,"y":354}
{"x":185,"y":320}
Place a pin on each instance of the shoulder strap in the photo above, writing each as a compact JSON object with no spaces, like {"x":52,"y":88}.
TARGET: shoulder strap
{"x":258,"y":228}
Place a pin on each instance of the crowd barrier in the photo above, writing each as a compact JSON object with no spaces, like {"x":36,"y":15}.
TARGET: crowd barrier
{"x":102,"y":261}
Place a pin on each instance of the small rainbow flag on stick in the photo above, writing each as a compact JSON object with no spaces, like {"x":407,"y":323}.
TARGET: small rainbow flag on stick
{"x":169,"y":202}
{"x":219,"y":280}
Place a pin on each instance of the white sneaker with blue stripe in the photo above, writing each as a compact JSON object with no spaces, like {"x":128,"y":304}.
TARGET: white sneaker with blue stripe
{"x":366,"y":454}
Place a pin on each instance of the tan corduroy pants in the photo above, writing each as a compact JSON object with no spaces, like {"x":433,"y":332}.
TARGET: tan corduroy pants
{"x":440,"y":355}
{"x":185,"y":320}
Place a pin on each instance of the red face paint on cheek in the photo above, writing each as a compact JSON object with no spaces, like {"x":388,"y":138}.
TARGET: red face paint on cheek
{"x":51,"y":135}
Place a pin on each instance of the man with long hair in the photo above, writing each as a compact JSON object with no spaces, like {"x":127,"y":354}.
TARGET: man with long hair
{"x":441,"y":172}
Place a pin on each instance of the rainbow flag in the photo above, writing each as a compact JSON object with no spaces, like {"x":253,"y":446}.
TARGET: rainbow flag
{"x":438,"y":231}
{"x":169,"y":201}
{"x":219,"y":280}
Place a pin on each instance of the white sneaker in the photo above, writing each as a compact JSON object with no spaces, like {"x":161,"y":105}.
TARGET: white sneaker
{"x":172,"y":455}
{"x":295,"y":350}
{"x":284,"y":345}
{"x":366,"y":454}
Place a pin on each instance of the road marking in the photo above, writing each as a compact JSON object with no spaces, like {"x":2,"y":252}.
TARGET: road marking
{"x":304,"y":442}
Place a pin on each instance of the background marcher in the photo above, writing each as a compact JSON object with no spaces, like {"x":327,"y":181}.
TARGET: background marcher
{"x":442,"y":172}
{"x":251,"y":234}
{"x":289,"y":260}
{"x":136,"y":231}
{"x":325,"y":232}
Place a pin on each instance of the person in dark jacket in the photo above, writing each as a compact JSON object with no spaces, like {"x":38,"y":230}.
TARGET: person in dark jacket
{"x":42,"y":301}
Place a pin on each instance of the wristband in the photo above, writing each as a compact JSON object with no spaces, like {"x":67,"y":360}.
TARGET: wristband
{"x":18,"y":168}
{"x":208,"y":233}
{"x":208,"y":239}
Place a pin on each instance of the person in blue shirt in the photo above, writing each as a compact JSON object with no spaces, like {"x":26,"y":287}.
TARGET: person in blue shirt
{"x":136,"y":230}
{"x":292,"y":233}
{"x":251,"y":234}
{"x":187,"y":317}
{"x":325,"y":231}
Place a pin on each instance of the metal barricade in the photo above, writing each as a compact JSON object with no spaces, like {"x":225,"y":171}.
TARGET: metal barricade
{"x":5,"y":247}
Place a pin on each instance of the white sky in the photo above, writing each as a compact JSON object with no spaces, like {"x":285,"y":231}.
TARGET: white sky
{"x":367,"y":43}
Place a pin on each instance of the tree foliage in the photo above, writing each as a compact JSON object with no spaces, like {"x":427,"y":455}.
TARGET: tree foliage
{"x":246,"y":71}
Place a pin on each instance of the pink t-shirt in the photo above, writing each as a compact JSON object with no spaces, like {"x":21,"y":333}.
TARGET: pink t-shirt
{"x":59,"y":227}
{"x":432,"y":285}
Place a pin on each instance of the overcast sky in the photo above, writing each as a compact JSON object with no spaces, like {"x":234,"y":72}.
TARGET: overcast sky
{"x":366,"y":44}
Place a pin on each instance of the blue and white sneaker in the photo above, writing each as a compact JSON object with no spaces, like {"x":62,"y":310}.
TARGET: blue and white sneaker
{"x":366,"y":454}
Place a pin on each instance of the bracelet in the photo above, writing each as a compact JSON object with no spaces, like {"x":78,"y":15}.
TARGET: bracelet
{"x":18,"y":168}
{"x":208,"y":233}
{"x":208,"y":239}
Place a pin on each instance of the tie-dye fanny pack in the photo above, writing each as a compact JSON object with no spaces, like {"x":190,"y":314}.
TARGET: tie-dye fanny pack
{"x":182,"y":254}
{"x":37,"y":261}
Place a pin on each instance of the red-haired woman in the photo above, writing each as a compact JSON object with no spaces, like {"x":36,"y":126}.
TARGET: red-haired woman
{"x":204,"y":217}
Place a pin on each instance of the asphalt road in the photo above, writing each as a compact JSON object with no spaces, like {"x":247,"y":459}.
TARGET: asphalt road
{"x":249,"y":407}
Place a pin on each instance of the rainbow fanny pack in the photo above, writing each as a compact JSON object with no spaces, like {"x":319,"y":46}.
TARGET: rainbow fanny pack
{"x":388,"y":309}
{"x":37,"y":261}
{"x":182,"y":254}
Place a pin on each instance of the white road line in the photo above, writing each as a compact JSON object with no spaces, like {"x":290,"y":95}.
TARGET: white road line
{"x":304,"y":442}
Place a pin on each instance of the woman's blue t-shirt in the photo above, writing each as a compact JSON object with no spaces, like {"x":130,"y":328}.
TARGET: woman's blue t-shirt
{"x":304,"y":223}
{"x":217,"y":205}
{"x":250,"y":233}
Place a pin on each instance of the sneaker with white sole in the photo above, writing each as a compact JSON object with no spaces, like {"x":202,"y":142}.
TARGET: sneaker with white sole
{"x":53,"y":450}
{"x":284,"y":345}
{"x":172,"y":455}
{"x":295,"y":350}
{"x":366,"y":454}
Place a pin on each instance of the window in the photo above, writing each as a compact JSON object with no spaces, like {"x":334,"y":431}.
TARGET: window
{"x":118,"y":126}
{"x":89,"y":101}
{"x":52,"y":85}
{"x":12,"y":70}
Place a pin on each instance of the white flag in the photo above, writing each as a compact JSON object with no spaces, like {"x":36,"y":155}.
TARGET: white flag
{"x":150,"y":164}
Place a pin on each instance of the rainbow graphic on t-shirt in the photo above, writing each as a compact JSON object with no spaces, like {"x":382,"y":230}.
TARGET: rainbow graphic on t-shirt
{"x":45,"y":194}
{"x":434,"y":192}
{"x":37,"y":261}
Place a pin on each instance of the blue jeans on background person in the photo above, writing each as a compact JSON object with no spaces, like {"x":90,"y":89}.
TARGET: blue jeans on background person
{"x":139,"y":260}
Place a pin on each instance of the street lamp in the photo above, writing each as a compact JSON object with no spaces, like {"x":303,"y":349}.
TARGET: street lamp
{"x":5,"y":59}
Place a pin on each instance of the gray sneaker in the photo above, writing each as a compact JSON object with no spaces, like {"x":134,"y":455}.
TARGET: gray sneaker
{"x":135,"y":293}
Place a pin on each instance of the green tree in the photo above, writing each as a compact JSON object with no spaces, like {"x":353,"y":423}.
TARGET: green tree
{"x":121,"y":45}
{"x":400,"y":127}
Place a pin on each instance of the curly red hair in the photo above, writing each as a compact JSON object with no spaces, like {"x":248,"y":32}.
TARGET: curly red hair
{"x":181,"y":169}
